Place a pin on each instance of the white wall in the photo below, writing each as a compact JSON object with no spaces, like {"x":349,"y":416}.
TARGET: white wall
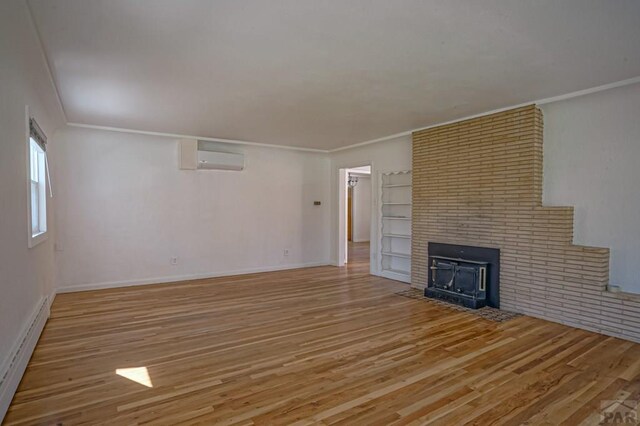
{"x":361,"y":205}
{"x":592,"y":162}
{"x":26,"y":275}
{"x":124,"y":209}
{"x":387,"y":156}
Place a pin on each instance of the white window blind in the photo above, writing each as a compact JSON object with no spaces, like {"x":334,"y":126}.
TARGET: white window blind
{"x":38,"y":178}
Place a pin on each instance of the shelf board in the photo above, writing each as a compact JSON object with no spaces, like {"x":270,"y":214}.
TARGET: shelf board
{"x":403,"y":185}
{"x":396,"y":218}
{"x":397,"y":236}
{"x":392,"y":254}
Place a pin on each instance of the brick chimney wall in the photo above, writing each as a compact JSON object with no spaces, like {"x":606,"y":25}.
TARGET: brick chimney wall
{"x":478,"y":182}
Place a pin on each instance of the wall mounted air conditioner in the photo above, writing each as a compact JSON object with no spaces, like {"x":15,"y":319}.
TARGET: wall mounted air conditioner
{"x":205,"y":155}
{"x":210,"y":160}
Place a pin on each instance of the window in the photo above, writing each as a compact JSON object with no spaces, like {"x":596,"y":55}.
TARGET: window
{"x":38,"y":174}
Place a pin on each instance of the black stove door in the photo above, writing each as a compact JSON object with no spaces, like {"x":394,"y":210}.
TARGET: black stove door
{"x":466,"y":280}
{"x":442,"y":273}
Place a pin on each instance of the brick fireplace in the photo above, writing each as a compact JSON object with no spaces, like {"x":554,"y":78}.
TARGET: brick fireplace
{"x":478,"y":182}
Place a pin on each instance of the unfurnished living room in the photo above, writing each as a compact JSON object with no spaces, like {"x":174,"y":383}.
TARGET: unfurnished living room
{"x":296,"y":212}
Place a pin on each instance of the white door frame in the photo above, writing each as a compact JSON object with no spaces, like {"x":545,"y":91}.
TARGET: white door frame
{"x":341,"y":232}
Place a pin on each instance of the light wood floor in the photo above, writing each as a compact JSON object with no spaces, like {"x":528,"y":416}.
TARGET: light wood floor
{"x":318,"y":345}
{"x":358,"y":254}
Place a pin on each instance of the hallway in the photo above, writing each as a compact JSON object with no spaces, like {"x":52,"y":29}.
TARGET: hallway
{"x":358,"y":255}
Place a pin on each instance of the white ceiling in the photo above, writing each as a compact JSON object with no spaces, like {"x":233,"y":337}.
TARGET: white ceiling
{"x":325,"y":73}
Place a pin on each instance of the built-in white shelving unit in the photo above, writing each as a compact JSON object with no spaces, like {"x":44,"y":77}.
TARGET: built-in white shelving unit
{"x":395,"y":232}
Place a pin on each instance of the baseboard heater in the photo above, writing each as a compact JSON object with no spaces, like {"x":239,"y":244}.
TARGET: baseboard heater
{"x":16,"y":363}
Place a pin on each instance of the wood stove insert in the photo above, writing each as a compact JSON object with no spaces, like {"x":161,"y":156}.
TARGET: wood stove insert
{"x":464,"y":275}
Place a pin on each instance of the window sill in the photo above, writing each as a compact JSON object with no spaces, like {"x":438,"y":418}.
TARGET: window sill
{"x":37,"y":239}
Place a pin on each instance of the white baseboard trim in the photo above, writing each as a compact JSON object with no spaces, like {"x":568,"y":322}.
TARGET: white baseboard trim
{"x":15,"y":364}
{"x":176,"y":278}
{"x":395,"y":276}
{"x":52,"y":298}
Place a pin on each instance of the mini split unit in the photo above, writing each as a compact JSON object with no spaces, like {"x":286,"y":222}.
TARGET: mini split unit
{"x":204,"y":155}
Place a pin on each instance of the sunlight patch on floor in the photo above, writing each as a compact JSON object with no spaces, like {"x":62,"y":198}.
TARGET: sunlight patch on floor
{"x":136,"y":374}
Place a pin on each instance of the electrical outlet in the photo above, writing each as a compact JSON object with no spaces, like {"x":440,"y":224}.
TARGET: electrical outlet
{"x":286,"y":252}
{"x":174,"y":260}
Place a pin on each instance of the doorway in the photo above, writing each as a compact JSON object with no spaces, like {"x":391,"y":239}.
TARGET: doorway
{"x":356,"y":211}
